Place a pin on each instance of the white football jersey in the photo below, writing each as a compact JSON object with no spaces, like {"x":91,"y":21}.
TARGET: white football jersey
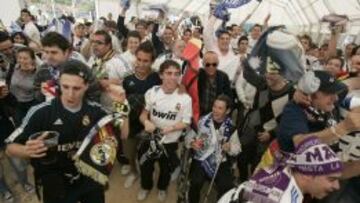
{"x":168,"y":109}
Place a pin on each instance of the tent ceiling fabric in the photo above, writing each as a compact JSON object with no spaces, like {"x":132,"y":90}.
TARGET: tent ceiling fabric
{"x":303,"y":14}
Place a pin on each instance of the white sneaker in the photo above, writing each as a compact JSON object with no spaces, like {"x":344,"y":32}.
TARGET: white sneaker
{"x":175,"y":174}
{"x":162,"y":195}
{"x":8,"y":197}
{"x":29,"y":188}
{"x":142,"y":194}
{"x":130,"y":180}
{"x":125,"y":169}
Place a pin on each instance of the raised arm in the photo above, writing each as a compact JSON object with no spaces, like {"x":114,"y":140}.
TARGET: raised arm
{"x":208,"y":34}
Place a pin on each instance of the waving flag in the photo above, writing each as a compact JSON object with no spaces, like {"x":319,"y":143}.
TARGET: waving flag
{"x":234,"y":3}
{"x":61,"y":26}
{"x":125,"y":4}
{"x":14,"y":27}
{"x":221,"y":10}
{"x":284,"y":49}
{"x":191,"y":54}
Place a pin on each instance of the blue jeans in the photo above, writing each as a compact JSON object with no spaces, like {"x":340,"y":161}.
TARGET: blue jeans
{"x":3,"y":186}
{"x":20,"y":169}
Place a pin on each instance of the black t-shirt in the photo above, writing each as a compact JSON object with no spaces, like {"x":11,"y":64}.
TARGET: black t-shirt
{"x":72,"y":127}
{"x":135,"y":90}
{"x":133,"y":85}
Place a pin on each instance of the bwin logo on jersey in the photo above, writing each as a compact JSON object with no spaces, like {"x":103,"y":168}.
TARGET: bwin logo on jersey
{"x":168,"y":116}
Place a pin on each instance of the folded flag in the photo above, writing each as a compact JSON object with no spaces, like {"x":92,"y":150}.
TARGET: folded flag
{"x":97,"y":154}
{"x":191,"y":54}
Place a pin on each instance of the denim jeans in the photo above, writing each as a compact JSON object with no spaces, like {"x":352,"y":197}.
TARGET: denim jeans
{"x":19,"y":166}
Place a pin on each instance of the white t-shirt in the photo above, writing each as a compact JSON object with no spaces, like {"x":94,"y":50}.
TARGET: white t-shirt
{"x":113,"y":67}
{"x":128,"y":62}
{"x":168,"y":109}
{"x":234,"y":43}
{"x":252,"y":43}
{"x":32,"y":32}
{"x":229,"y":62}
{"x":114,"y":70}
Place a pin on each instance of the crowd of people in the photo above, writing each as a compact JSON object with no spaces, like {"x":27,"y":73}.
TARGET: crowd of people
{"x":261,"y":137}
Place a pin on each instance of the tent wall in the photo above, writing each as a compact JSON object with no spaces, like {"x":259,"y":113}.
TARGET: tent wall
{"x":10,"y":10}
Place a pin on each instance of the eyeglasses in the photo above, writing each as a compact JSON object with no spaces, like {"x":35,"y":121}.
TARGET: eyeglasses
{"x":211,"y":64}
{"x":97,"y":42}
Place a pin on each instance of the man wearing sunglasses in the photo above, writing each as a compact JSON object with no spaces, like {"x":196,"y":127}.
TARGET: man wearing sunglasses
{"x":212,"y":82}
{"x":228,"y":61}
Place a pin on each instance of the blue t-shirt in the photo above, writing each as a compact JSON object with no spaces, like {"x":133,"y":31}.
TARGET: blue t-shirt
{"x":294,"y":121}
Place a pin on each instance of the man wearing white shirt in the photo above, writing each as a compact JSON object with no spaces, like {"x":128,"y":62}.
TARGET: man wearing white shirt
{"x":228,"y":61}
{"x":170,"y":111}
{"x":79,"y":39}
{"x":235,"y":35}
{"x":128,"y":57}
{"x":29,"y":27}
{"x":105,"y":64}
{"x":255,"y":35}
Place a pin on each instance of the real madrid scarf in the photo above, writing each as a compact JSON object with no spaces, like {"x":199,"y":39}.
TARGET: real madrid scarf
{"x":211,"y":152}
{"x":96,"y":155}
{"x":98,"y":68}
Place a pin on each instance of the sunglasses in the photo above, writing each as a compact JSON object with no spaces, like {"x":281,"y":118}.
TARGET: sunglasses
{"x":211,"y":64}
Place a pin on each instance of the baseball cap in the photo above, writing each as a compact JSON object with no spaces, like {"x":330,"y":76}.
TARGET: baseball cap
{"x":314,"y":158}
{"x":319,"y":80}
{"x":328,"y":83}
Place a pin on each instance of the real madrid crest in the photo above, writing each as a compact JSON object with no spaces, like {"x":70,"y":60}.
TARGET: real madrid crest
{"x":86,"y":120}
{"x":178,"y":107}
{"x":104,"y":152}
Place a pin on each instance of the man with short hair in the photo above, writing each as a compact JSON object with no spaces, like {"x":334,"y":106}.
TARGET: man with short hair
{"x":212,"y":82}
{"x":169,"y":111}
{"x":213,"y":145}
{"x":228,"y":61}
{"x":272,"y":93}
{"x":235,"y":35}
{"x":136,"y":85}
{"x":56,"y":50}
{"x":7,"y":56}
{"x":164,"y":44}
{"x":317,"y":118}
{"x":128,"y":58}
{"x":30,"y":29}
{"x":243,"y":47}
{"x":79,"y":39}
{"x":140,"y":26}
{"x":72,"y":116}
{"x":255,"y":34}
{"x":320,"y":118}
{"x":105,"y":64}
{"x":313,"y":169}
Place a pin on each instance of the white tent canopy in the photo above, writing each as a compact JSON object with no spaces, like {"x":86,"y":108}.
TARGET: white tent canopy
{"x":300,"y":16}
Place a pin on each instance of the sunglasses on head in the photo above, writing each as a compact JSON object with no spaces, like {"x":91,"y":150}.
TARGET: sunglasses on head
{"x":211,"y":64}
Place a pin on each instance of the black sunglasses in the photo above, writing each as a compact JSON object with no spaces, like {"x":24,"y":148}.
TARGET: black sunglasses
{"x":211,"y":64}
